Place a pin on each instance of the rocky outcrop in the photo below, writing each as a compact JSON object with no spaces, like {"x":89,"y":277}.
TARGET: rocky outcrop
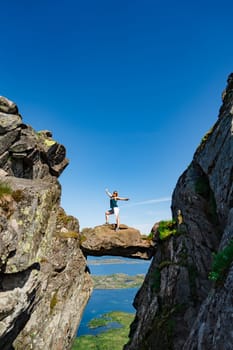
{"x":127,"y":242}
{"x":24,"y":152}
{"x":178,"y":305}
{"x":44,"y":280}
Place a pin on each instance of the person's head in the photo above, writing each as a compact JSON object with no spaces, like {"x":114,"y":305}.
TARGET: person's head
{"x":114,"y":194}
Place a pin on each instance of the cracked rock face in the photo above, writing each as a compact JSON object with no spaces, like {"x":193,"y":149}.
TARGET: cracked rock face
{"x":44,"y":284}
{"x":178,"y":306}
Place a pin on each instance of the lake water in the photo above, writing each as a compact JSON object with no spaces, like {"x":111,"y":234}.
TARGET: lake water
{"x":107,"y":300}
{"x":103,"y":301}
{"x":111,"y":265}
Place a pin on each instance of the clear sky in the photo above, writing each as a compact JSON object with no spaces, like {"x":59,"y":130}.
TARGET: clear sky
{"x":129,"y":87}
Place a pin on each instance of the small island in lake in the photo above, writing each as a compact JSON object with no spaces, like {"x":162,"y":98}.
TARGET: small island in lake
{"x":104,"y":340}
{"x":117,"y":281}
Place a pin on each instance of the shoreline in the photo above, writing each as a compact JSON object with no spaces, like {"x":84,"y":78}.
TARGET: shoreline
{"x":117,"y":281}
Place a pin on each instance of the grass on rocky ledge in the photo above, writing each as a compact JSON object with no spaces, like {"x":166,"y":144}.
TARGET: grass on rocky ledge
{"x":221,"y":263}
{"x":4,"y":189}
{"x":112,"y":339}
{"x":167,"y":228}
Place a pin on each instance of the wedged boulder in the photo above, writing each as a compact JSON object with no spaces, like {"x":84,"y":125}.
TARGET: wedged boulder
{"x":127,"y":242}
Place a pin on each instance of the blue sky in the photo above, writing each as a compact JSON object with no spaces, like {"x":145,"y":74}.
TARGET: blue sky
{"x":129,"y":87}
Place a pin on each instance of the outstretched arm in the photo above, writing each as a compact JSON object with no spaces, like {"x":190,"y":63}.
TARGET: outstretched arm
{"x":108,"y":193}
{"x":122,"y":199}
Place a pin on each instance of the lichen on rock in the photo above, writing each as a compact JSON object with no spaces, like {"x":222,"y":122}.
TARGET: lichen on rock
{"x":45,"y":283}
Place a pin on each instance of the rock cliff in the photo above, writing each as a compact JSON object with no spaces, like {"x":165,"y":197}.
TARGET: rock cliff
{"x":186,"y":302}
{"x":44,"y":283}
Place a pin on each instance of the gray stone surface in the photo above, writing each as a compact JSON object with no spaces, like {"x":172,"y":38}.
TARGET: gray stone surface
{"x":178,"y":306}
{"x":44,"y":281}
{"x":24,"y":152}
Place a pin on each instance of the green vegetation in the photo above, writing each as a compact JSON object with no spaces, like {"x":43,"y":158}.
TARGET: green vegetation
{"x":64,"y":219}
{"x":68,"y":234}
{"x":4,"y":189}
{"x":150,"y":236}
{"x":167,"y":228}
{"x":48,"y":141}
{"x":221,"y":263}
{"x":7,"y":196}
{"x":112,"y":339}
{"x":82,"y":238}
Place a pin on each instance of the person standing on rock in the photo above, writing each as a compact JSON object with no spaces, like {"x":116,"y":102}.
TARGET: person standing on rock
{"x":114,"y":207}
